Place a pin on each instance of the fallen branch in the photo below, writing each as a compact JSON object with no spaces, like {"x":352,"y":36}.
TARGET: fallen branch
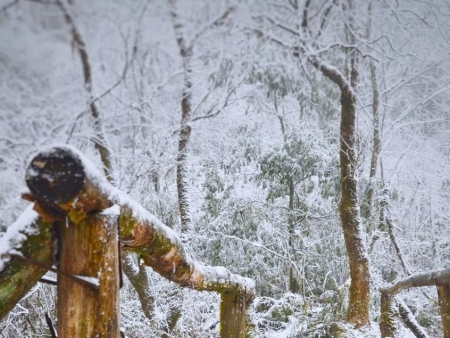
{"x":409,"y":319}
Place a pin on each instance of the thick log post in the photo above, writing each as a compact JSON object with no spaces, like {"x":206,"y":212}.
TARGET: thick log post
{"x":90,"y":249}
{"x":233,"y":308}
{"x":88,"y":244}
{"x":444,"y":299}
{"x":388,"y":316}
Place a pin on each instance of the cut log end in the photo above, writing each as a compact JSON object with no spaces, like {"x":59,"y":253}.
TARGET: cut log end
{"x":56,"y":176}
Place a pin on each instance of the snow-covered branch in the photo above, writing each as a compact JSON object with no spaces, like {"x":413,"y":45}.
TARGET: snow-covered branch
{"x":436,"y":277}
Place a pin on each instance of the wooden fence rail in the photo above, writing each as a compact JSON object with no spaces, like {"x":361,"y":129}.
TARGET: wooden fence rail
{"x":77,"y":211}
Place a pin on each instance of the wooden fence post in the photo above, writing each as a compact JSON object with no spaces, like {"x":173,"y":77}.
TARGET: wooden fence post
{"x":388,"y":316}
{"x":444,"y":300}
{"x":90,"y":250}
{"x":233,"y":308}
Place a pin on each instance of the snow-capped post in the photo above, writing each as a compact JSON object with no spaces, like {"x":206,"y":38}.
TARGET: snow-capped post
{"x":88,"y":244}
{"x":233,"y":308}
{"x":89,"y":249}
{"x":70,"y":189}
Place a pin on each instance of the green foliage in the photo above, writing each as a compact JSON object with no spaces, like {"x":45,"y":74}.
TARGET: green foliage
{"x":277,"y":78}
{"x":305,"y":162}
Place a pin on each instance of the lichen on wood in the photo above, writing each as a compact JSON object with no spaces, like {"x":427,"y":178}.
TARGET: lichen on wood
{"x":388,"y":327}
{"x":18,"y":277}
{"x":444,"y":302}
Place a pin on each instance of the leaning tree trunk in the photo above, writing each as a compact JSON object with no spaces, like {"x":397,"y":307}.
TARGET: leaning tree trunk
{"x":409,"y":320}
{"x":139,"y":280}
{"x":359,"y":298}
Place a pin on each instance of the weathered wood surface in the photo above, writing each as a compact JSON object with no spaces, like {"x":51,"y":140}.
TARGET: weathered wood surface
{"x":444,"y":302}
{"x":90,"y":249}
{"x":389,"y":314}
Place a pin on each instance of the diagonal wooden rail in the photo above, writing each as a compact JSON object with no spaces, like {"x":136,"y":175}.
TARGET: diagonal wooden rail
{"x":74,"y":203}
{"x":438,"y":278}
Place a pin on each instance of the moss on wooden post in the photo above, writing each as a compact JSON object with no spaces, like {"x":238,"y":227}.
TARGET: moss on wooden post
{"x":388,"y":314}
{"x":444,"y":299}
{"x":88,"y":242}
{"x":233,"y":308}
{"x":78,"y":207}
{"x":89,"y":249}
{"x":18,"y":277}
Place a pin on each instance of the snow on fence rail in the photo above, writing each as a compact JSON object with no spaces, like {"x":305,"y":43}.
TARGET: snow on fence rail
{"x":438,"y":278}
{"x":67,"y":188}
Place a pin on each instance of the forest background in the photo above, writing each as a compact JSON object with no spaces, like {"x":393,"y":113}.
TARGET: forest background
{"x":218,"y":117}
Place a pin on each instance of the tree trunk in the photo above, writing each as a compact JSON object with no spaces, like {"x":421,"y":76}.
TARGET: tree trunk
{"x":358,"y":310}
{"x":139,"y":280}
{"x":80,"y":45}
{"x":294,"y":286}
{"x":376,"y":140}
{"x":185,"y":52}
{"x":376,"y":149}
{"x":359,"y":298}
{"x":89,"y":249}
